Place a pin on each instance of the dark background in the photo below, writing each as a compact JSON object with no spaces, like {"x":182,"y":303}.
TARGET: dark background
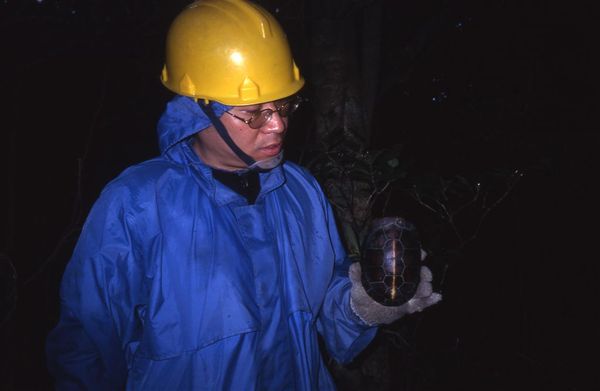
{"x":494,"y":85}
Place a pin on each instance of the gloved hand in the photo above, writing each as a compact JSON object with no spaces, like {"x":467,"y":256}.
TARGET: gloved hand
{"x":373,"y":313}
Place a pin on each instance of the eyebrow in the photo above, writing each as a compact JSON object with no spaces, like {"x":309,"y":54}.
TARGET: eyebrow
{"x":247,"y":108}
{"x":258,"y":107}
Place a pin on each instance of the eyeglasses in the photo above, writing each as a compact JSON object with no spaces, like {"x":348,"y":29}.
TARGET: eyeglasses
{"x":260,"y":117}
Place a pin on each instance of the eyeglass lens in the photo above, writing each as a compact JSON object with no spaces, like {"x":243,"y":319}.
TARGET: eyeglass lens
{"x":286,"y":108}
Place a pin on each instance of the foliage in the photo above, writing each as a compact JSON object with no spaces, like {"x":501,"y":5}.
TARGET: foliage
{"x":364,"y":184}
{"x":355,"y":181}
{"x":360,"y":184}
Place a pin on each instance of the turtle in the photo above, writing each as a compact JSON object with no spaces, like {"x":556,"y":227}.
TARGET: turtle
{"x":391,"y":261}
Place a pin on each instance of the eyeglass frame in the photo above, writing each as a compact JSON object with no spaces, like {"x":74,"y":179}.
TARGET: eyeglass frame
{"x":294,"y":105}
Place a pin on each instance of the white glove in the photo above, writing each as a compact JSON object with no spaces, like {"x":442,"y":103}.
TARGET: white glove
{"x":373,"y":313}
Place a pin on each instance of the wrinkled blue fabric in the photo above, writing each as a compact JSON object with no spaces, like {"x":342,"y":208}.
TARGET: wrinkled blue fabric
{"x":183,"y":118}
{"x":176,"y":283}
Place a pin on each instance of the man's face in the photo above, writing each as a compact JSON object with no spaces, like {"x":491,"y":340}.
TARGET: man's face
{"x":260,"y":144}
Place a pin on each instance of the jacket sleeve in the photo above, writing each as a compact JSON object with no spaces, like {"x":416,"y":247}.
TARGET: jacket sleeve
{"x":86,"y":349}
{"x":345,"y":335}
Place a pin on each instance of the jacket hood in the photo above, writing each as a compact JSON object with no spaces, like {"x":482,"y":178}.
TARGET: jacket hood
{"x":181,"y":119}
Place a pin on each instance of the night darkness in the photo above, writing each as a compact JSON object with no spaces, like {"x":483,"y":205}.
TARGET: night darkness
{"x":472,"y":87}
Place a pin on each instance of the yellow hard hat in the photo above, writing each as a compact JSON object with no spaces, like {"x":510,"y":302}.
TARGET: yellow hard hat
{"x":230,"y":51}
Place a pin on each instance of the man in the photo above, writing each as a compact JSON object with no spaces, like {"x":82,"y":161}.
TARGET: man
{"x":215,"y":266}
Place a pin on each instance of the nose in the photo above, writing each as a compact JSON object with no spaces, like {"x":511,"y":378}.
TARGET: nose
{"x":276,"y":124}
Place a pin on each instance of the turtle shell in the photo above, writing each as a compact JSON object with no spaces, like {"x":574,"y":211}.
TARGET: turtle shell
{"x":391,"y":261}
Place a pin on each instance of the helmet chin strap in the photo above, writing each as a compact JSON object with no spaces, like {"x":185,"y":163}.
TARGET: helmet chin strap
{"x":207,"y":109}
{"x":261,"y":165}
{"x":267,"y":164}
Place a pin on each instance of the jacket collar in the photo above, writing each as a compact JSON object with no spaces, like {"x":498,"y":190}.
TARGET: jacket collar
{"x":221,"y":194}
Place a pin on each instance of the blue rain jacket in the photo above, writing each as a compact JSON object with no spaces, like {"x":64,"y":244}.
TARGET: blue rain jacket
{"x":176,"y":283}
